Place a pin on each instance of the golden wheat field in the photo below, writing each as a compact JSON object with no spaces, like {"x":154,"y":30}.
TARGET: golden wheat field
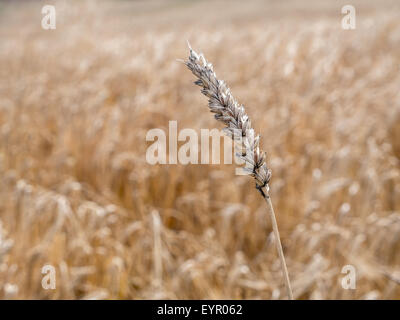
{"x":77,"y":193}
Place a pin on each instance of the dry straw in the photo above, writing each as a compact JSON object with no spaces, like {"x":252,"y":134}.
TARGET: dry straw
{"x":238,"y":126}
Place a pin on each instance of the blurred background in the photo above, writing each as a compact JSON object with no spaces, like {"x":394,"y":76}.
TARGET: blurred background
{"x":77,"y":193}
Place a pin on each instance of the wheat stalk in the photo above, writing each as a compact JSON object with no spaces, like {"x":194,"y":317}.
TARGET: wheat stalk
{"x":228,"y":111}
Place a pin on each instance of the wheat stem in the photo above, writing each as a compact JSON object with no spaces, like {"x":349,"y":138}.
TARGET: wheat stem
{"x":278,"y":242}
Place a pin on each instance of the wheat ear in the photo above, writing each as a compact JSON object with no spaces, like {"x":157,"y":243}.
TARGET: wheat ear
{"x":228,"y":111}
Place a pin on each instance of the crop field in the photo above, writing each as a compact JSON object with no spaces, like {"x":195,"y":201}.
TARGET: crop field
{"x":78,"y":194}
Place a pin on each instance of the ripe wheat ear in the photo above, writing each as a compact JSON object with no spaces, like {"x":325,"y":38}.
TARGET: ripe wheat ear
{"x":228,"y":111}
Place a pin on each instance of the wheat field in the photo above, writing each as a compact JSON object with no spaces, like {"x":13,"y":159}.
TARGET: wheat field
{"x":77,"y":193}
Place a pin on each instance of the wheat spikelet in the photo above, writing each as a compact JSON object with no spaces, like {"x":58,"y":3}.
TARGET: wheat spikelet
{"x":228,"y":111}
{"x":238,"y":126}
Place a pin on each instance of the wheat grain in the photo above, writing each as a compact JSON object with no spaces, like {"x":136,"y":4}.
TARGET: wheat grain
{"x":238,"y":126}
{"x":228,"y":111}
